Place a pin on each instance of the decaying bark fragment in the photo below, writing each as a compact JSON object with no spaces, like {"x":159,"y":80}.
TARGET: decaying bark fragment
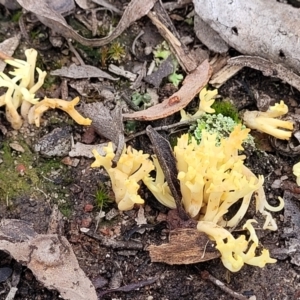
{"x":186,"y":246}
{"x":264,"y":28}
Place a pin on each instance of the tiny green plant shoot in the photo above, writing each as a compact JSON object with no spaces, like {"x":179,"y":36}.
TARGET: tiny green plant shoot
{"x":141,"y":100}
{"x":102,"y":198}
{"x":161,"y":53}
{"x":116,"y":52}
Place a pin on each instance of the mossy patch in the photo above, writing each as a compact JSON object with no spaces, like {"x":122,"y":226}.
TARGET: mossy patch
{"x":44,"y":179}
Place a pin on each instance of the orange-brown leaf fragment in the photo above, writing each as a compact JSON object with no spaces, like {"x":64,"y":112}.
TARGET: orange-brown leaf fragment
{"x":197,"y":247}
{"x":191,"y":86}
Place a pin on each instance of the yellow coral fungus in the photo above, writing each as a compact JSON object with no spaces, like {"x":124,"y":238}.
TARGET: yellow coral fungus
{"x":235,"y":252}
{"x":132,"y":166}
{"x":296,"y":172}
{"x":22,"y":93}
{"x":213,"y":178}
{"x":266,"y":122}
{"x":159,"y":187}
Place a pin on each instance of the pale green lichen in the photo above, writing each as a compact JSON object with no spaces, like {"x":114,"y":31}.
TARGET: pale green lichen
{"x":218,"y":124}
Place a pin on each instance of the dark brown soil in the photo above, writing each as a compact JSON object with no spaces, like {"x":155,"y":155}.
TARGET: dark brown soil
{"x":72,"y":188}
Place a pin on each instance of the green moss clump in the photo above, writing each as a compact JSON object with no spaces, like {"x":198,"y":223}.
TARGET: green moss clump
{"x":16,"y":16}
{"x":227,"y":109}
{"x":116,"y":52}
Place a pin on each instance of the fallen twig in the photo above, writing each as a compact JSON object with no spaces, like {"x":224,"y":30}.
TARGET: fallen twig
{"x":112,"y":243}
{"x":162,"y":128}
{"x":207,"y":276}
{"x":186,"y":60}
{"x":130,"y":287}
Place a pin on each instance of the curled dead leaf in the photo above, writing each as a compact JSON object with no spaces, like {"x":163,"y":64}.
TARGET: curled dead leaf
{"x":191,"y":86}
{"x":52,"y":19}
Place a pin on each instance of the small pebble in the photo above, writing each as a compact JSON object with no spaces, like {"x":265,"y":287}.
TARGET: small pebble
{"x":20,"y":168}
{"x":5,"y":273}
{"x":86,"y":222}
{"x":88,"y":207}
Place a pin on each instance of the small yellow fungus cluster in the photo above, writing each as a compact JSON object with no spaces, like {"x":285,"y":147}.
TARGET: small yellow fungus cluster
{"x":35,"y":113}
{"x":21,"y":91}
{"x":159,"y":187}
{"x":235,"y":252}
{"x":267,"y":122}
{"x":132,"y":167}
{"x":20,"y":94}
{"x":207,"y":98}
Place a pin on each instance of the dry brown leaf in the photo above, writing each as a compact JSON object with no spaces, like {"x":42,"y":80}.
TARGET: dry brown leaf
{"x":196,"y":248}
{"x":80,"y":72}
{"x":48,"y":256}
{"x":134,"y":11}
{"x":8,"y":47}
{"x":191,"y":86}
{"x":167,"y":161}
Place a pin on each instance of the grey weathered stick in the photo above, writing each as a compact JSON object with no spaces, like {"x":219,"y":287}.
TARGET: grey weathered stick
{"x":166,"y":28}
{"x":268,"y":68}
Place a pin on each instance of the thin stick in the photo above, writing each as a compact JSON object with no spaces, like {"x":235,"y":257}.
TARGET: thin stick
{"x":76,"y":53}
{"x":162,"y":128}
{"x":207,"y":276}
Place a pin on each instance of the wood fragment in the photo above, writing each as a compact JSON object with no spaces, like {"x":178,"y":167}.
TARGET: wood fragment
{"x":7,"y":48}
{"x":219,"y":78}
{"x":130,"y":287}
{"x":191,"y":86}
{"x":196,"y":248}
{"x":4,"y":56}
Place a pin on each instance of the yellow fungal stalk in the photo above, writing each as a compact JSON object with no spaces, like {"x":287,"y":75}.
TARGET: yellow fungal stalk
{"x":235,"y":252}
{"x":132,"y":167}
{"x":296,"y":172}
{"x":35,"y":113}
{"x":266,"y":122}
{"x":207,"y":98}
